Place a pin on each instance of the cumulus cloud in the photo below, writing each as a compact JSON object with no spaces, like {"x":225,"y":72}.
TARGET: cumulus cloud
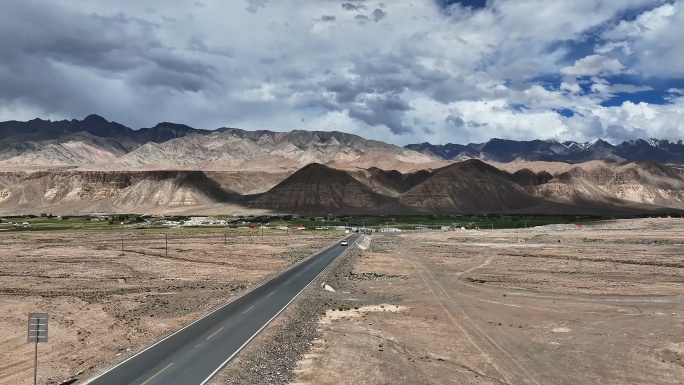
{"x":400,"y":72}
{"x":593,"y":65}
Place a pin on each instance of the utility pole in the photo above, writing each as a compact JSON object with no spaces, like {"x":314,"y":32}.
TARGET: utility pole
{"x":122,"y":247}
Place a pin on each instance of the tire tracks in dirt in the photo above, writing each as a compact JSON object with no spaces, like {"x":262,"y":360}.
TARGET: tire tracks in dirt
{"x":511,"y":371}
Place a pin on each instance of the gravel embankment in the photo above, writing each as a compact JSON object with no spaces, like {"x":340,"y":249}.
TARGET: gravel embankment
{"x":272,"y":356}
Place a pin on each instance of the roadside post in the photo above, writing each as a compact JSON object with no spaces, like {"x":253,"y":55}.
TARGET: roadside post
{"x":37,"y":333}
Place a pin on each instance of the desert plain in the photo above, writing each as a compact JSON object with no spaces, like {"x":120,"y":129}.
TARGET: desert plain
{"x":600,"y":303}
{"x":562,"y":304}
{"x":105,"y":305}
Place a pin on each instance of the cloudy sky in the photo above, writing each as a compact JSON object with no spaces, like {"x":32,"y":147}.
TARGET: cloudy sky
{"x":400,"y":71}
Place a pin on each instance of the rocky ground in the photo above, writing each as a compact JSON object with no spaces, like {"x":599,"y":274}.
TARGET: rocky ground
{"x":593,"y":304}
{"x":272,"y":357}
{"x":105,"y":305}
{"x":602,"y":306}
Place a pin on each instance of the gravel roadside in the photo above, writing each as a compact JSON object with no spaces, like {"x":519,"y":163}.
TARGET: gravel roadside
{"x":272,"y":356}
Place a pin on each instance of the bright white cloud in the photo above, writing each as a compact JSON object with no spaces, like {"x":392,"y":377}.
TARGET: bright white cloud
{"x":593,"y":65}
{"x":401,"y":72}
{"x":653,"y":40}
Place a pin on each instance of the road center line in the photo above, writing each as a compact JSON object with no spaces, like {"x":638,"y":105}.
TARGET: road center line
{"x":158,"y":373}
{"x":288,"y":281}
{"x":215,"y":332}
{"x":249,"y":309}
{"x":271,"y":293}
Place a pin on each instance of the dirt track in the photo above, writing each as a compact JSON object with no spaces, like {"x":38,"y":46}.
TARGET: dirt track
{"x":601,"y":304}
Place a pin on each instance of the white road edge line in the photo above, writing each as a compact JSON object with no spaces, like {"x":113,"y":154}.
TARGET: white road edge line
{"x":272,"y":318}
{"x":214,"y":311}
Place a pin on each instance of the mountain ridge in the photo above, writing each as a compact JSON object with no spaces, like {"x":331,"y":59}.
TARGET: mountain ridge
{"x":93,"y":165}
{"x":551,"y":150}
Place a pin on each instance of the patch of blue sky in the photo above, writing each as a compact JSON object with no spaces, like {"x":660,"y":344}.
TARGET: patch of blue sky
{"x":590,"y":39}
{"x":550,"y":82}
{"x":517,"y":106}
{"x":658,"y":94}
{"x":650,"y":97}
{"x":473,"y":4}
{"x":568,"y":113}
{"x":574,"y":50}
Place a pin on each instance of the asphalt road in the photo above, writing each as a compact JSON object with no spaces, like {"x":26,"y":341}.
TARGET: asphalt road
{"x":194,"y":354}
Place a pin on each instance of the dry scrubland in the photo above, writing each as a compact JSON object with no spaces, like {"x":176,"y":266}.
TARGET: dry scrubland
{"x":104,"y":306}
{"x":600,"y":304}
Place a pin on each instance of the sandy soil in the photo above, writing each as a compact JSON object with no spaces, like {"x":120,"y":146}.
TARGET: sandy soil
{"x":599,"y":304}
{"x":104,"y":306}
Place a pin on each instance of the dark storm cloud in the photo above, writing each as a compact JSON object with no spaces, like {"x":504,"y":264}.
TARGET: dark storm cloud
{"x":254,"y":5}
{"x":387,"y":110}
{"x":427,"y":130}
{"x":362,"y":18}
{"x":353,"y":7}
{"x":328,"y":18}
{"x":378,"y":14}
{"x":197,"y":45}
{"x":372,"y":93}
{"x":455,"y":120}
{"x":48,"y":67}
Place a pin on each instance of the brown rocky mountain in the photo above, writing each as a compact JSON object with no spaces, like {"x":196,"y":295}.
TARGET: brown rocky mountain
{"x":94,"y":165}
{"x":69,"y":191}
{"x":472,"y":186}
{"x":465,"y":187}
{"x":320,"y":189}
{"x":96,"y":144}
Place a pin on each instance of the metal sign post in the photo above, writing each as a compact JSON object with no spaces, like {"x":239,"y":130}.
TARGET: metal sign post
{"x":37,"y":333}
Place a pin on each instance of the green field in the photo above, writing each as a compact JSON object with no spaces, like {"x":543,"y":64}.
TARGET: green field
{"x":404,"y":222}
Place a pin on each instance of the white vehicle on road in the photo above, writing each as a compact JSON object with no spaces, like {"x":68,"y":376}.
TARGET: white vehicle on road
{"x":344,"y":243}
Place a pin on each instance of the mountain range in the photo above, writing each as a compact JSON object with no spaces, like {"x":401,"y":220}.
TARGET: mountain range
{"x":502,"y":150}
{"x":93,"y":165}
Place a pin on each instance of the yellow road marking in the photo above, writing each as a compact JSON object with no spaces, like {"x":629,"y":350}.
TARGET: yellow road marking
{"x":249,"y":309}
{"x":158,"y":373}
{"x":215,"y":332}
{"x":271,"y":293}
